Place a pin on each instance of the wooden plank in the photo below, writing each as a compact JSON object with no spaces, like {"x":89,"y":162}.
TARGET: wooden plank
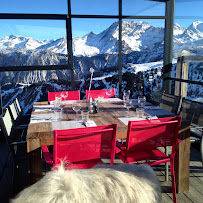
{"x":167,"y":187}
{"x":178,"y":75}
{"x":185,"y":69}
{"x":194,"y":195}
{"x":182,"y":162}
{"x":192,"y":58}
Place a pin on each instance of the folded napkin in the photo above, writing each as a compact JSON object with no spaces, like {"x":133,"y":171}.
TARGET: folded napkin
{"x":37,"y":118}
{"x":65,"y":102}
{"x":61,"y":125}
{"x":125,"y":120}
{"x":111,"y":100}
{"x":40,"y":121}
{"x":43,"y":108}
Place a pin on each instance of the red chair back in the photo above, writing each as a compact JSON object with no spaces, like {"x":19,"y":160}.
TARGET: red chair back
{"x":99,"y":93}
{"x":147,"y":135}
{"x":72,"y":95}
{"x":83,"y":144}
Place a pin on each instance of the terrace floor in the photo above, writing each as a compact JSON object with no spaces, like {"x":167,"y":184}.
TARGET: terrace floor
{"x":195,"y":193}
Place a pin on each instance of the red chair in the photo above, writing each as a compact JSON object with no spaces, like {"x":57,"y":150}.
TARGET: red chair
{"x":143,"y":138}
{"x":100,"y":93}
{"x":72,"y":95}
{"x":82,"y":147}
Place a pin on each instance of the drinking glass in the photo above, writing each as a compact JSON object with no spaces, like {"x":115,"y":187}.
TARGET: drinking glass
{"x":141,"y":101}
{"x":126,"y":93}
{"x":57,"y":101}
{"x":85,"y":115}
{"x":128,"y":104}
{"x":124,"y":100}
{"x":76,"y":107}
{"x":140,"y":112}
{"x":57,"y":113}
{"x":108,"y":92}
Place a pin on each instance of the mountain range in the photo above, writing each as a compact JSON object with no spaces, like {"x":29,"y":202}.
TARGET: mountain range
{"x":141,"y":43}
{"x":136,"y":36}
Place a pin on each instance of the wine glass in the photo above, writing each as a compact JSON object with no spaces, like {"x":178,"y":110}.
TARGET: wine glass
{"x":57,"y":101}
{"x":126,"y":93}
{"x":141,"y":101}
{"x":124,"y":100}
{"x":108,"y":92}
{"x":64,"y":95}
{"x":76,"y":107}
{"x":128,"y":104}
{"x":126,"y":96}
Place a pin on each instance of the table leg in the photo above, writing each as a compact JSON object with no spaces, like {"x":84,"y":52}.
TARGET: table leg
{"x":35,"y":165}
{"x":182,"y":162}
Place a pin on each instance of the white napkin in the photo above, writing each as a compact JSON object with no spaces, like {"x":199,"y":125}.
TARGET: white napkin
{"x":49,"y":106}
{"x":37,"y":118}
{"x":61,"y":125}
{"x":65,"y":102}
{"x":125,"y":120}
{"x":111,"y":100}
{"x":41,"y":108}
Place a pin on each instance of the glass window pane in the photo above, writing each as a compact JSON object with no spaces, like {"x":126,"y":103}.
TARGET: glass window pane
{"x":188,"y":40}
{"x":189,"y":9}
{"x":95,"y":44}
{"x":37,"y":6}
{"x":143,"y":8}
{"x":32,"y":42}
{"x":32,"y":86}
{"x":94,"y":7}
{"x":143,"y":49}
{"x":94,"y":36}
{"x":195,"y":74}
{"x":37,"y":29}
{"x":188,"y":36}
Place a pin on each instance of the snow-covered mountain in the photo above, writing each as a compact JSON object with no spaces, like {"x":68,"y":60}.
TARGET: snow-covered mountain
{"x":190,"y":39}
{"x":136,"y":36}
{"x":142,"y":43}
{"x":21,"y":42}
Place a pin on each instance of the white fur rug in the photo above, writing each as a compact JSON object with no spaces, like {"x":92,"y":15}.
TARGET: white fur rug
{"x":122,"y":183}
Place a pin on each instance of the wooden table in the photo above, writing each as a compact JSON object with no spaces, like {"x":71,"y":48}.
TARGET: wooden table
{"x":41,"y":134}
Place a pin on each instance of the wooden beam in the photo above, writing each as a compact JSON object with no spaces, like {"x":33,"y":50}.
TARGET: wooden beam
{"x":192,"y":58}
{"x":177,"y":83}
{"x":185,"y":69}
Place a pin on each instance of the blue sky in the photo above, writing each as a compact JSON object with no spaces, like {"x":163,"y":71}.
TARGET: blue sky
{"x":190,"y":10}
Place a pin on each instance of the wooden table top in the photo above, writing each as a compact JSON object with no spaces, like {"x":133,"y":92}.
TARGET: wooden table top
{"x":39,"y":134}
